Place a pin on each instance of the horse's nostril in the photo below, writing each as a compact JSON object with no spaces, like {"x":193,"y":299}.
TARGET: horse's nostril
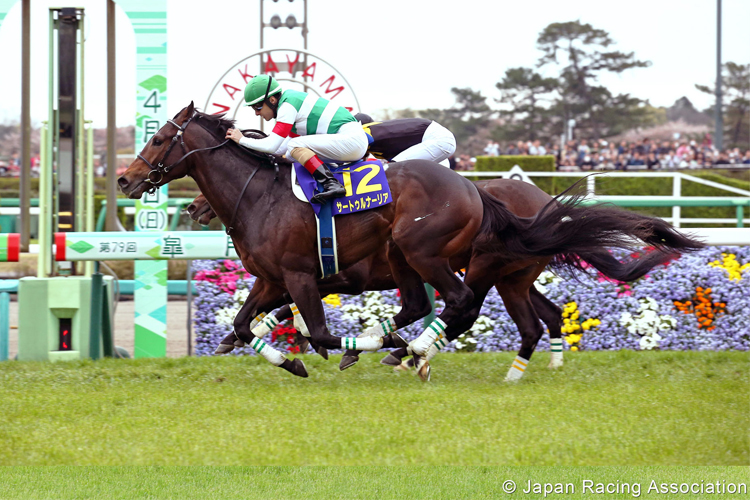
{"x":122,"y":182}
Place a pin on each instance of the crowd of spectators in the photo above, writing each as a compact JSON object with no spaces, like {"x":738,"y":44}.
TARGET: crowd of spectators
{"x":581,"y":155}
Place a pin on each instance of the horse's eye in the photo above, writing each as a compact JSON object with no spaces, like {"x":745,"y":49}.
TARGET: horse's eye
{"x":157,"y":142}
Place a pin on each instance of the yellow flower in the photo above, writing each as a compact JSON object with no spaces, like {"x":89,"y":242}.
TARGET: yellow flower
{"x":574,"y":348}
{"x":333,"y":300}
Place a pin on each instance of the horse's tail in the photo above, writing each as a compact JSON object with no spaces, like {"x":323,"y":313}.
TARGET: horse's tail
{"x":609,"y":266}
{"x":568,"y":228}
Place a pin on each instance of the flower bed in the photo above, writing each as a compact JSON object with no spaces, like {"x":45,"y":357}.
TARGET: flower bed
{"x":698,"y":302}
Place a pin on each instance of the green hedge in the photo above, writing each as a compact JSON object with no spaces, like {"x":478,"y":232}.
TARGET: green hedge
{"x":505,"y":163}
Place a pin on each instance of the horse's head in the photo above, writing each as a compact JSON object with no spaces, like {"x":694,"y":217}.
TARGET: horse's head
{"x":160,"y":160}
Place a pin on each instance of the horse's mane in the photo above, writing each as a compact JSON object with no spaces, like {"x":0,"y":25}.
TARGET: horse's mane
{"x":217,"y":126}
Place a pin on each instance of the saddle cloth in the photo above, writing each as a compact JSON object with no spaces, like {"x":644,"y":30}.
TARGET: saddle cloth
{"x":366,"y":186}
{"x":365,"y":182}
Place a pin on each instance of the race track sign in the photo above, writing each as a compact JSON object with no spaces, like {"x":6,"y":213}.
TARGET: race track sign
{"x":294,"y":69}
{"x":174,"y":245}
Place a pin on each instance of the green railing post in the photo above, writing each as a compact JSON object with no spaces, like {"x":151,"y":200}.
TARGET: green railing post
{"x":95,"y":326}
{"x":4,"y":325}
{"x":430,"y":295}
{"x":740,"y":215}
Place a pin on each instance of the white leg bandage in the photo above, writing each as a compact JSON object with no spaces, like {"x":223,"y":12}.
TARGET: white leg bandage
{"x":516,"y":369}
{"x":299,"y":321}
{"x":265,"y":326}
{"x":556,"y":353}
{"x":433,"y":331}
{"x":362,"y":343}
{"x":435,"y":348}
{"x":380,"y":330}
{"x":257,"y":320}
{"x":272,"y":355}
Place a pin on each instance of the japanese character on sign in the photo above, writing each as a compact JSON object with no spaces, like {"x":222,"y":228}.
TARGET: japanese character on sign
{"x":150,"y":127}
{"x":131,"y":247}
{"x":104,"y":247}
{"x":172,"y":246}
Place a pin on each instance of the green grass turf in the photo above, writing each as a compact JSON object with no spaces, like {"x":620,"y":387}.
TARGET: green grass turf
{"x":371,"y":482}
{"x":602,"y":408}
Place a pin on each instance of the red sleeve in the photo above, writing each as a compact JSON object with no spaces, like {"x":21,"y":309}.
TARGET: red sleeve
{"x":282,"y":129}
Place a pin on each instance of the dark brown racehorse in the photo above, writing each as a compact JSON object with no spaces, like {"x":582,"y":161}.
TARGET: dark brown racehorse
{"x":438,"y":221}
{"x":512,"y":277}
{"x":523,"y":199}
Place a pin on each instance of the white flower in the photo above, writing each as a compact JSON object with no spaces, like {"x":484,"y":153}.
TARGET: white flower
{"x":626,"y":318}
{"x":648,"y":342}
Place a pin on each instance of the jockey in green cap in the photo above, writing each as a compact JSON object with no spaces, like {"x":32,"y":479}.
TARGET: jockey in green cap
{"x":316,"y":129}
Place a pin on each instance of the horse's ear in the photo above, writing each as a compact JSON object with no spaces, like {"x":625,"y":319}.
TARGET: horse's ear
{"x":190,"y":109}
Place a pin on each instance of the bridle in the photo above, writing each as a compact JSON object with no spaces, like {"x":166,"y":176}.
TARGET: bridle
{"x":160,"y":169}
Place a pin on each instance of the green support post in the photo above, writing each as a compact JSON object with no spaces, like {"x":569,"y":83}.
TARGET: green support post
{"x":740,"y":215}
{"x":95,"y":325}
{"x":108,"y":341}
{"x":431,"y":296}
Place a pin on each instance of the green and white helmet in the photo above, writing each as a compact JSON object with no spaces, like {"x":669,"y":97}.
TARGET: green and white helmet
{"x":260,"y":88}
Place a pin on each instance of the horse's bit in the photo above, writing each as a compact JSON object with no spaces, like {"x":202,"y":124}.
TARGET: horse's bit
{"x":160,"y":169}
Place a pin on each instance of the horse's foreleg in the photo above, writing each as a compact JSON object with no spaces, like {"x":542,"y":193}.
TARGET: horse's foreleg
{"x":269,"y":298}
{"x":231,"y":341}
{"x":551,"y":314}
{"x":304,"y":291}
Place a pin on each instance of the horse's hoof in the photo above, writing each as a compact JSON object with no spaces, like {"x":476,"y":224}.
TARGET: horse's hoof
{"x":295,"y":367}
{"x":403,"y":367}
{"x":391,"y":360}
{"x":398,"y":340}
{"x":302,"y":343}
{"x":424,"y":372}
{"x":323,"y":352}
{"x":224,"y":348}
{"x":239,"y":343}
{"x":348,"y":362}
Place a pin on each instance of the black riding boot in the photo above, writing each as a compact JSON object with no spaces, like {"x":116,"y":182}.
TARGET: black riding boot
{"x":332,"y":188}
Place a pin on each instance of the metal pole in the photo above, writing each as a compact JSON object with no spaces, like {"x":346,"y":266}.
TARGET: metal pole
{"x":719,"y":118}
{"x":190,"y":308}
{"x":25,"y":194}
{"x":111,"y":183}
{"x":260,"y":71}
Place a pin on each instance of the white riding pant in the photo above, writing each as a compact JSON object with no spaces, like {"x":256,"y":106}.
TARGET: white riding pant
{"x":438,"y":143}
{"x":348,"y":144}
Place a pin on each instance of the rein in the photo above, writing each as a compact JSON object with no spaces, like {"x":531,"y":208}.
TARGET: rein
{"x":160,"y":169}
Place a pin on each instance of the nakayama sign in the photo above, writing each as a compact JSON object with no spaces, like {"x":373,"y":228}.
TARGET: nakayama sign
{"x":295,"y":69}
